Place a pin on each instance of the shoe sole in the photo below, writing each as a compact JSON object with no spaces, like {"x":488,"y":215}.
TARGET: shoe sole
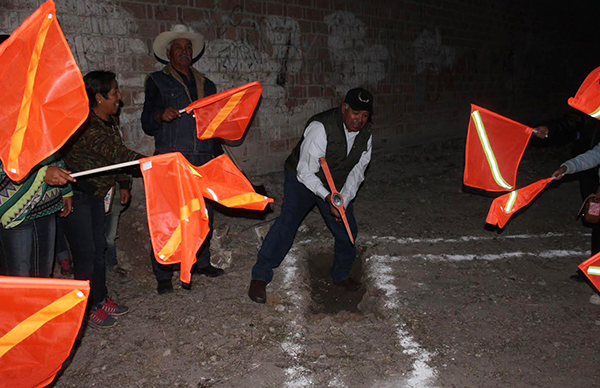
{"x":257,"y":300}
{"x":116,"y":314}
{"x":98,"y":326}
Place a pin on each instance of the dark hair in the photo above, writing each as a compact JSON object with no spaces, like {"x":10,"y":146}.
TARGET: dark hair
{"x":98,"y":81}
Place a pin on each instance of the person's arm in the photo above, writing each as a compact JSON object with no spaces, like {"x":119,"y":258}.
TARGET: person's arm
{"x":153,"y":105}
{"x":313,"y":147}
{"x":357,"y":175}
{"x":561,"y":130}
{"x":582,"y":162}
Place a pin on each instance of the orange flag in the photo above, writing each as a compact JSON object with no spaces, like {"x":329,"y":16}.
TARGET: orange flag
{"x":177,"y":215}
{"x":40,"y":321}
{"x":495,"y":146}
{"x":226,"y":114}
{"x":43,"y":95}
{"x":591,"y":269}
{"x":506,"y":205}
{"x":226,"y":184}
{"x":587,"y":98}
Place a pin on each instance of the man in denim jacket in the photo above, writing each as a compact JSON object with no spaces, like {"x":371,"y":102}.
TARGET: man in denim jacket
{"x":167,"y":91}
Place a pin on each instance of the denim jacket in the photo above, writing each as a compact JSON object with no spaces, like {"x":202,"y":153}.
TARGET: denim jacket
{"x":166,"y":88}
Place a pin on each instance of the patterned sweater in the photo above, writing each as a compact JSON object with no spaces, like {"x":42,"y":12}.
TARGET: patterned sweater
{"x":30,"y":198}
{"x":96,"y":144}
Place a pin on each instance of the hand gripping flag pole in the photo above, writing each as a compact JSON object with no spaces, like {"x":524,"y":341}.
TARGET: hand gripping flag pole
{"x":336,"y":198}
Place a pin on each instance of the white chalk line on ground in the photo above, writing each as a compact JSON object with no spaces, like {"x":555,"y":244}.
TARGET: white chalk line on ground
{"x":297,"y":375}
{"x":422,"y":374}
{"x":382,"y":274}
{"x":380,"y":271}
{"x":549,"y":254}
{"x":462,"y":239}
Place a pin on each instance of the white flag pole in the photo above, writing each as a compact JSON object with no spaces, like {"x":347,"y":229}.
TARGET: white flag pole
{"x":105,"y":168}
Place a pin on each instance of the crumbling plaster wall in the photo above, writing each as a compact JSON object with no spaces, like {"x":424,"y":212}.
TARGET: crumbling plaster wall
{"x":425,"y":61}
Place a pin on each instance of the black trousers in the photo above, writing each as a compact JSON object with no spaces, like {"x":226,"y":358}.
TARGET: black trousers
{"x":588,"y":184}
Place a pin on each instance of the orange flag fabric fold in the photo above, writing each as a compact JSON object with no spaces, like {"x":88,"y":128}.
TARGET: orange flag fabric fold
{"x":494,"y":148}
{"x":226,"y":115}
{"x":43,"y":95}
{"x":226,"y":185}
{"x":587,"y":98}
{"x":506,"y":205}
{"x":40,"y":321}
{"x":177,"y":215}
{"x":591,"y":269}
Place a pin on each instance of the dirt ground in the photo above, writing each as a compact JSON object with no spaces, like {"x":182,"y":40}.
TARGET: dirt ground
{"x":447,"y":302}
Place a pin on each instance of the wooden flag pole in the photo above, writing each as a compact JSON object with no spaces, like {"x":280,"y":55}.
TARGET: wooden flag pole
{"x":105,"y":168}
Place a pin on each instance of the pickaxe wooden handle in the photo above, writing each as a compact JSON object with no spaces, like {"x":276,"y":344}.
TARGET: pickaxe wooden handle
{"x":336,"y":197}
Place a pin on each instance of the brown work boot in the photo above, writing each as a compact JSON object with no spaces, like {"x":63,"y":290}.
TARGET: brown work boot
{"x":258,"y":291}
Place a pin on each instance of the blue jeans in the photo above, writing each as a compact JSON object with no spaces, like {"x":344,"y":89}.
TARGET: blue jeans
{"x":62,"y":249}
{"x":28,"y":248}
{"x":297,"y":202}
{"x":84,"y":229}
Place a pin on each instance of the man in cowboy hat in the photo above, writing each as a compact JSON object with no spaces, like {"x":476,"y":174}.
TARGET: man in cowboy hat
{"x":168,"y":91}
{"x":343,"y":136}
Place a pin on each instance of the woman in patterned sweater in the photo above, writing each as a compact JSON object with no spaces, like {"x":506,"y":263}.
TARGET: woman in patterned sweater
{"x":28,"y":215}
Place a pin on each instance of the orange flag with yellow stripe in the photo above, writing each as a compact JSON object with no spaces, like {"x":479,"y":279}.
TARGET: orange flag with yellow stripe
{"x":40,"y":321}
{"x":587,"y":98}
{"x":228,"y":186}
{"x":43,"y":95}
{"x":591,"y":269}
{"x":506,"y":205}
{"x":226,"y":115}
{"x":177,"y":215}
{"x":494,"y":148}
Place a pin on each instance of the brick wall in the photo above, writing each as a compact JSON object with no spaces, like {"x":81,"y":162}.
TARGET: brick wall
{"x":425,"y":61}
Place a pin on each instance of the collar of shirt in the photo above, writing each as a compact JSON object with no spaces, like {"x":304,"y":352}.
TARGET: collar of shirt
{"x":350,"y":136}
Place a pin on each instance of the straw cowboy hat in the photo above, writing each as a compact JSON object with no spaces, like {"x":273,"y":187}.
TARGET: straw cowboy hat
{"x":178,"y":31}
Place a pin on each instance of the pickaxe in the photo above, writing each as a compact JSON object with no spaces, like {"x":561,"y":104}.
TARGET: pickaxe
{"x":336,"y":198}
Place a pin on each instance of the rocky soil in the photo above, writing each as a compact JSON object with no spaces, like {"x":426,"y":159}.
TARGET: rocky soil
{"x":447,"y":302}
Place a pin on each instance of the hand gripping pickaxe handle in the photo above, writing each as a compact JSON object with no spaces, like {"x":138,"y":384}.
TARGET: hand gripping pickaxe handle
{"x":336,"y":197}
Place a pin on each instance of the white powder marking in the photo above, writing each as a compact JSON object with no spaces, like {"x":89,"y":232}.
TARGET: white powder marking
{"x":410,"y":240}
{"x":297,"y":375}
{"x":422,"y":375}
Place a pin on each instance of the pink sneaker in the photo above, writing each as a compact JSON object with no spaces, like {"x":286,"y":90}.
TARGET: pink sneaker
{"x":100,"y":319}
{"x":113,"y":309}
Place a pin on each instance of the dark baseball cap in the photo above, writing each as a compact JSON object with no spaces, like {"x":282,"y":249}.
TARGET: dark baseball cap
{"x":359,"y":99}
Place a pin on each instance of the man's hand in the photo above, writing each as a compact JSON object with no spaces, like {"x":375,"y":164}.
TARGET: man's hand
{"x":56,"y":176}
{"x":334,"y":211}
{"x":558,"y":174}
{"x":168,"y":115}
{"x":541,"y":131}
{"x":67,"y":206}
{"x":125,"y":196}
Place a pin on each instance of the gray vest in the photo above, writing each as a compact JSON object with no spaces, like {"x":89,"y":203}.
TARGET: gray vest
{"x":339,"y":163}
